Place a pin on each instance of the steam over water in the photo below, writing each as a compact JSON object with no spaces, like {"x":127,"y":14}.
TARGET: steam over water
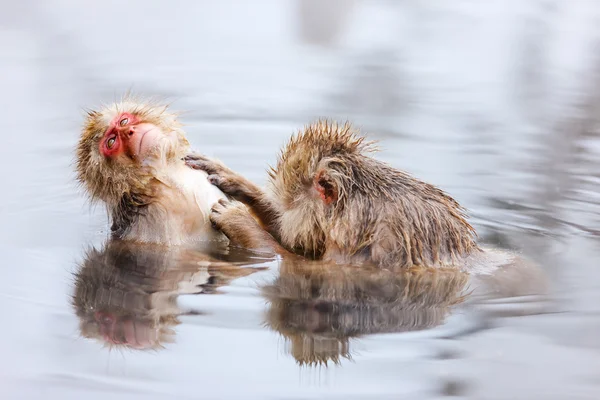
{"x":495,"y":102}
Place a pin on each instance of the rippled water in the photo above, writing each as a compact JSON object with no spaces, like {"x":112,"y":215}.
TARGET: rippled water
{"x":496,"y":103}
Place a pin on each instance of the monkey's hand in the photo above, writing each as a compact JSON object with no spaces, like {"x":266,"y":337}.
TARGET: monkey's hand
{"x":238,"y":187}
{"x":234,"y":220}
{"x":225,"y":179}
{"x":209,"y":165}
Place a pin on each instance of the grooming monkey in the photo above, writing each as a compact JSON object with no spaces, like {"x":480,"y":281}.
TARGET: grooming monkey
{"x":328,"y":199}
{"x":130,"y":157}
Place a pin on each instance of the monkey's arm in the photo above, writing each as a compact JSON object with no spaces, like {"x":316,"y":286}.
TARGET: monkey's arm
{"x":240,"y":188}
{"x":234,"y":220}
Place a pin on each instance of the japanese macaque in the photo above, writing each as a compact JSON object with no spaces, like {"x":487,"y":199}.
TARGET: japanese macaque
{"x":125,"y":294}
{"x":329,"y":199}
{"x":130,"y":157}
{"x":319,"y":307}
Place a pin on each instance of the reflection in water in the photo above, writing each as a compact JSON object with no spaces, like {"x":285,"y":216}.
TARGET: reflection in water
{"x":126,"y":294}
{"x":318,"y":308}
{"x":495,"y":101}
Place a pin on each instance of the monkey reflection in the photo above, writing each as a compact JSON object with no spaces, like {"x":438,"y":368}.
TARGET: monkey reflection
{"x":319,"y":308}
{"x":125,"y":294}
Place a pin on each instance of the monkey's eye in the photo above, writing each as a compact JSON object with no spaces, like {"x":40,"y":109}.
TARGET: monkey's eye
{"x":124,"y":121}
{"x":111,"y":142}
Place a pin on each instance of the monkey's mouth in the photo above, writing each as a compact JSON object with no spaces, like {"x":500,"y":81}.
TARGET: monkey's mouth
{"x":153,"y":143}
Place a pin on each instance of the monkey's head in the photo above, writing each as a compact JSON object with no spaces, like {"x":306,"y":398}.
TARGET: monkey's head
{"x":335,"y":197}
{"x":313,"y":177}
{"x":122,"y":147}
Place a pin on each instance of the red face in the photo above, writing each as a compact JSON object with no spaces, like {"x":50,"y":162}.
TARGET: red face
{"x":126,"y":135}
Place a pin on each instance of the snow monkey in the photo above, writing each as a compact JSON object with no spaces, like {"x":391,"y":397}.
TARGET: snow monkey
{"x":130,"y":157}
{"x":329,"y":199}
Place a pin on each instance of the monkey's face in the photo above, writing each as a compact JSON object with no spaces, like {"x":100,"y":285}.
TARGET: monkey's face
{"x":128,"y":138}
{"x":304,"y":211}
{"x":123,"y":145}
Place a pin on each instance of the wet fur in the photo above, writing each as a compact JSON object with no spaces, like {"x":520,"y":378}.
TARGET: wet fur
{"x":379,"y":214}
{"x":106,"y":180}
{"x":158,"y":200}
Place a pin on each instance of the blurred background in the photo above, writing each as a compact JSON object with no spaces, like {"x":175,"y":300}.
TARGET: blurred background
{"x":497,"y":102}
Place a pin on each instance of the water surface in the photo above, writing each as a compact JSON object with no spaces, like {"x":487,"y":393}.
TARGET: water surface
{"x":495,"y":103}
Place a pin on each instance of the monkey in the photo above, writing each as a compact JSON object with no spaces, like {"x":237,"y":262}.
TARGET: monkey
{"x":125,"y":293}
{"x":328,"y":198}
{"x":319,"y":307}
{"x":130,"y":158}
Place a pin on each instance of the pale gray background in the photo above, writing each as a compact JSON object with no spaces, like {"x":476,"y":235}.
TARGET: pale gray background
{"x":495,"y":101}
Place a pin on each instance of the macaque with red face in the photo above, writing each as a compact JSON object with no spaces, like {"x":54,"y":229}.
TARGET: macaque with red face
{"x":130,"y":157}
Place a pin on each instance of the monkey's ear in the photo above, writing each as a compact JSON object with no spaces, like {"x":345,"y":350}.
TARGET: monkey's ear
{"x":326,"y":186}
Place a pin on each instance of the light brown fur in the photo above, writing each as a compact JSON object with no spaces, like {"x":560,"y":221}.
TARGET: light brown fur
{"x":109,"y":181}
{"x":330,"y":199}
{"x":156,"y":199}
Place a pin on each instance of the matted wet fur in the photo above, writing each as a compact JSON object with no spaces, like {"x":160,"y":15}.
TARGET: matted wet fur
{"x":328,"y":198}
{"x":319,"y":307}
{"x":152,"y":198}
{"x":107,"y":181}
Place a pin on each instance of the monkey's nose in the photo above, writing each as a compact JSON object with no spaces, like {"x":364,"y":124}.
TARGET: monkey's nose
{"x":131,"y":131}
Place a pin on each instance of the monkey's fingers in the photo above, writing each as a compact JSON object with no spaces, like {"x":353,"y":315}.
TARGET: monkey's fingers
{"x":199,"y":161}
{"x":215,"y":213}
{"x":196,"y":157}
{"x":228,"y":185}
{"x":218,"y":214}
{"x":219,"y":206}
{"x":216,"y":180}
{"x":206,"y":166}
